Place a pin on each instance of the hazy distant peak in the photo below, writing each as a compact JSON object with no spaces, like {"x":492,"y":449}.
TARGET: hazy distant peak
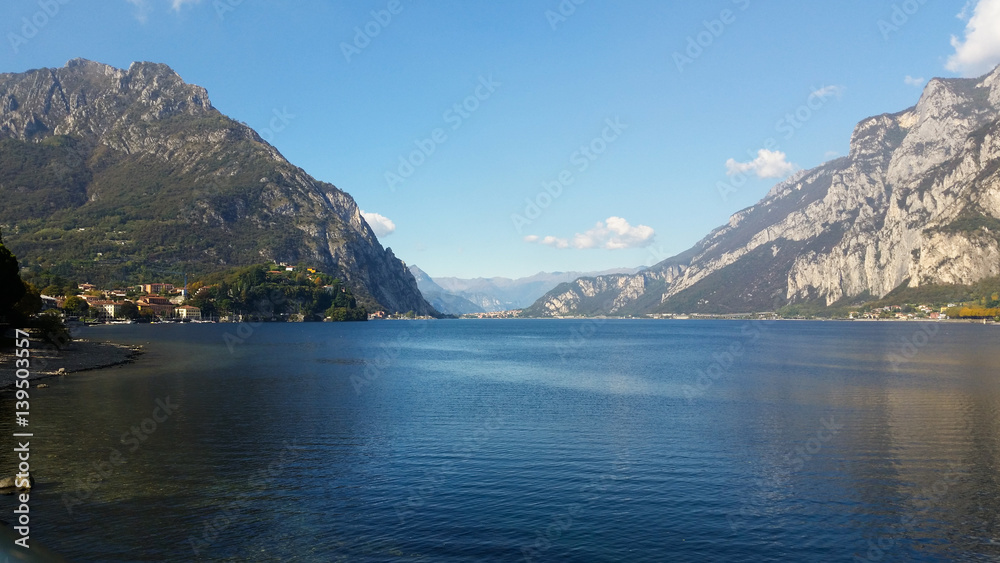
{"x":496,"y":293}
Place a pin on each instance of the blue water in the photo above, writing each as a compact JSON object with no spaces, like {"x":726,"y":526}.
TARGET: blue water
{"x":525,"y":440}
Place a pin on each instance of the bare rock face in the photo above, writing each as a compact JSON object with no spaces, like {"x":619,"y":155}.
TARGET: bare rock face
{"x":96,"y":101}
{"x":916,"y":202}
{"x":144,"y":157}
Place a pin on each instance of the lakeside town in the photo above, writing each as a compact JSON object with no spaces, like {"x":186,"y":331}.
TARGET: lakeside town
{"x":986,"y":311}
{"x":200,"y":302}
{"x":164,"y":302}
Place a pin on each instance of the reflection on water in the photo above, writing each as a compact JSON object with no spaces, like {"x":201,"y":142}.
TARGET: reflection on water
{"x":514,"y":440}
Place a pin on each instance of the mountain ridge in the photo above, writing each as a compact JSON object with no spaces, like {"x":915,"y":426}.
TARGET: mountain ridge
{"x":115,"y":174}
{"x":917,"y":201}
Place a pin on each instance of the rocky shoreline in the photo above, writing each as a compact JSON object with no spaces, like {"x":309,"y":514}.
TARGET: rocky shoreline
{"x":78,"y":356}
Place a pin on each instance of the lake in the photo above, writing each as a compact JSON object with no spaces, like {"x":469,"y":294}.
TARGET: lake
{"x":525,"y":440}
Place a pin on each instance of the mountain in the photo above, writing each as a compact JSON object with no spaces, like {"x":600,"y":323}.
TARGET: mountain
{"x":459,"y":296}
{"x":916,"y":202}
{"x":109,"y":174}
{"x":442,"y":300}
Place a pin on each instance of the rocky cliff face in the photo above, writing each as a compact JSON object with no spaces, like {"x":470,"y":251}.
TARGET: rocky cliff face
{"x":109,"y":172}
{"x":916,"y":202}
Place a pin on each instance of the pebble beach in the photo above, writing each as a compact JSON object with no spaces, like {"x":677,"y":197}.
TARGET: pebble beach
{"x":79,"y":355}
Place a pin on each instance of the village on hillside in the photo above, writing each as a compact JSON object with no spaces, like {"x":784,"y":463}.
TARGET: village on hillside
{"x":168,"y":303}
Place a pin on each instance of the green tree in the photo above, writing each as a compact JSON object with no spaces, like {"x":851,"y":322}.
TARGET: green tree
{"x":204,"y":301}
{"x":30,"y":304}
{"x":129,"y":311}
{"x":50,"y":328}
{"x":343,"y":314}
{"x":53,"y":291}
{"x":11,"y":287}
{"x":337,"y":314}
{"x":75,"y":305}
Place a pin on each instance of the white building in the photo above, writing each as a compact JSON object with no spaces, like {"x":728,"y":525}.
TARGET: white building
{"x":188,"y":312}
{"x":106,"y":310}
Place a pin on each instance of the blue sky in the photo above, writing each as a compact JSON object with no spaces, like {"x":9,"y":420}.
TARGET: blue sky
{"x":537,"y":136}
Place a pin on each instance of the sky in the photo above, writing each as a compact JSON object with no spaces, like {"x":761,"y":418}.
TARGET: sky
{"x":508,"y":138}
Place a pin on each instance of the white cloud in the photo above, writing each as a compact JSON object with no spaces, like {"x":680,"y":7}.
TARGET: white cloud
{"x":829,"y":155}
{"x":382,"y":226}
{"x":768,"y":164}
{"x":979,"y":51}
{"x":178,"y":4}
{"x":141,"y":9}
{"x":827,"y":91}
{"x":966,"y":12}
{"x":614,"y":233}
{"x":911,"y":81}
{"x":144,"y":7}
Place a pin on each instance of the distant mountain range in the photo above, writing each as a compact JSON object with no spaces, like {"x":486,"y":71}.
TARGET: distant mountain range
{"x":916,"y":202}
{"x":111,"y":175}
{"x":458,"y":296}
